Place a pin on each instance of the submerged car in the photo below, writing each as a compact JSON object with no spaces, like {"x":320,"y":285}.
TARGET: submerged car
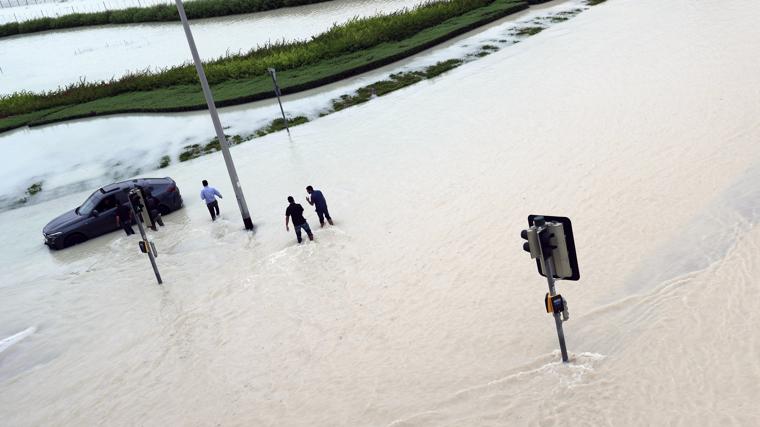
{"x":97,"y":215}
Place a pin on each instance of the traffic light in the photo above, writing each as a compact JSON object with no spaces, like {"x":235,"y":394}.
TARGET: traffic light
{"x":550,"y":239}
{"x":137,"y":198}
{"x":559,"y":252}
{"x":532,"y":245}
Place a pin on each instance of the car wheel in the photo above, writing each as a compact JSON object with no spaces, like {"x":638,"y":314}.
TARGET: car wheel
{"x":163,"y":209}
{"x":74,"y":239}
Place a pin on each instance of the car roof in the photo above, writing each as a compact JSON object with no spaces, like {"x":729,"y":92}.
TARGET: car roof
{"x":110,"y":188}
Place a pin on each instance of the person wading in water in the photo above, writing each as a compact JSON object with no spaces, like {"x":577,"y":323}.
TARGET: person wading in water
{"x":295,"y":211}
{"x":318,"y":201}
{"x":209,"y":195}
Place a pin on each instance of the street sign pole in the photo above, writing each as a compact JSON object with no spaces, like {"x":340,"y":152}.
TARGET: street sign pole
{"x":215,"y":119}
{"x":273,"y":73}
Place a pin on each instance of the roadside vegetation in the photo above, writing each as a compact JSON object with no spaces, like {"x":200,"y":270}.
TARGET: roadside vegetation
{"x":164,"y":162}
{"x":30,"y":192}
{"x":34,"y":188}
{"x":529,"y":31}
{"x":159,"y":13}
{"x":345,"y":50}
{"x":394,"y":82}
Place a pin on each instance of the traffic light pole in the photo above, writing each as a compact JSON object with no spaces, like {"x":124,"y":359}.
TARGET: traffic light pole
{"x":147,"y":244}
{"x":215,"y":119}
{"x":557,"y":319}
{"x":549,"y":240}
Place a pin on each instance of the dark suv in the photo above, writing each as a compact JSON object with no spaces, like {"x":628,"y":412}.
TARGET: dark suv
{"x":97,"y":215}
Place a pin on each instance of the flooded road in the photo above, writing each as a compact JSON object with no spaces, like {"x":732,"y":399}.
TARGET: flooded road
{"x":46,"y":61}
{"x":419,"y":306}
{"x":80,"y":155}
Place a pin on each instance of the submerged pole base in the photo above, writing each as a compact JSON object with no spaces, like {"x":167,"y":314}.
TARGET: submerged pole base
{"x":561,"y":336}
{"x":248,"y":223}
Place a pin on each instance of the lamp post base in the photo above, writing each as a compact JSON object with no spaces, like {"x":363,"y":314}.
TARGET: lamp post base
{"x":248,"y":223}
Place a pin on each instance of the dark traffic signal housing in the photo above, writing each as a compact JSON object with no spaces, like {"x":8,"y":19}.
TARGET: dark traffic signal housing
{"x":550,"y":239}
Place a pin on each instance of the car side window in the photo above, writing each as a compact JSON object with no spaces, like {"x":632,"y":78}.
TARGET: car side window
{"x":107,"y":204}
{"x":121,"y":198}
{"x":89,"y":204}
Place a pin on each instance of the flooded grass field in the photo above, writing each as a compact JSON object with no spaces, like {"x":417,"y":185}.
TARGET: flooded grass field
{"x":96,"y":54}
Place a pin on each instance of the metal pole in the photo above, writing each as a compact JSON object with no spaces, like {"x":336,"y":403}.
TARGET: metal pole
{"x":147,"y":244}
{"x":215,"y":119}
{"x":273,"y":73}
{"x":557,"y":319}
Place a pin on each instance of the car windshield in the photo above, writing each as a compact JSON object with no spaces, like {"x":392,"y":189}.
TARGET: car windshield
{"x":89,"y":204}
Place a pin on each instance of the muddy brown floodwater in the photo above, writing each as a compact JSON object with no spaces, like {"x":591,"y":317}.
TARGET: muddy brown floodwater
{"x":637,"y":119}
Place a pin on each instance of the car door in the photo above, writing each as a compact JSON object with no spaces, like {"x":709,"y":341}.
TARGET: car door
{"x":103,"y":218}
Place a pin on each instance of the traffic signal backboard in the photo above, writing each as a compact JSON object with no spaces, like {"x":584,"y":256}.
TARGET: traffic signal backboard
{"x":554,"y":234}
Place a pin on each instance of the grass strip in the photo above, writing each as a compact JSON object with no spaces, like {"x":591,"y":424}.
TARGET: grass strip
{"x":158,"y":13}
{"x":353,"y":36}
{"x":194,"y":151}
{"x":188,"y":97}
{"x":362,"y":95}
{"x":366,"y":93}
{"x":395,"y":82}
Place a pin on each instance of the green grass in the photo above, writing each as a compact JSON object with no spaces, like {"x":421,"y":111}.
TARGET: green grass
{"x":442,"y":67}
{"x":193,"y":151}
{"x":394,"y":82}
{"x":486,"y":50}
{"x":279,"y":124}
{"x":352,"y":36}
{"x":528,"y":31}
{"x":34,"y":188}
{"x":159,"y":13}
{"x":31,"y":191}
{"x":363,"y":94}
{"x":164,"y":162}
{"x":346,"y":50}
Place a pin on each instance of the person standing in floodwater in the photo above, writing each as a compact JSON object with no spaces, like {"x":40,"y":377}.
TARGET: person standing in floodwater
{"x":124,"y":218}
{"x":318,"y":201}
{"x":209,"y":195}
{"x":152,"y":205}
{"x":295,"y":211}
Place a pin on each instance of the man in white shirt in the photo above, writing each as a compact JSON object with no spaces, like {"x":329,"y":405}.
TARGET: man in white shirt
{"x":208,"y":195}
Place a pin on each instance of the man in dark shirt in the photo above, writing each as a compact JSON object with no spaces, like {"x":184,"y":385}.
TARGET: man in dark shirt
{"x":318,"y":201}
{"x":295,"y":211}
{"x":153,"y":211}
{"x":124,"y":218}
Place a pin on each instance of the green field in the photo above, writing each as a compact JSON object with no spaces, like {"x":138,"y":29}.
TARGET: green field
{"x":344,"y":51}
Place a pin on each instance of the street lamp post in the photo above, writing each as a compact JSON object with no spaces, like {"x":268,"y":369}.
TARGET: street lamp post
{"x":215,"y":119}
